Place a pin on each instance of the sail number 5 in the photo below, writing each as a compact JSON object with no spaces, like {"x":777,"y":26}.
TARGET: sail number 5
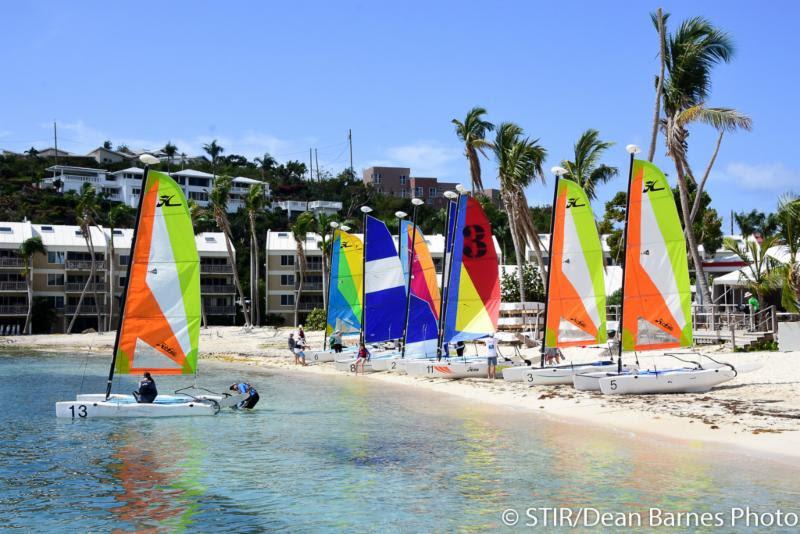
{"x":81,"y":411}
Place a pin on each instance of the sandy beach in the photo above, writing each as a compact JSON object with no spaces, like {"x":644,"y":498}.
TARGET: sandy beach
{"x":759,"y":410}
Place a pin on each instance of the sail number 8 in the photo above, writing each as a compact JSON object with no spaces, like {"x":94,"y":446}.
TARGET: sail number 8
{"x":81,"y":411}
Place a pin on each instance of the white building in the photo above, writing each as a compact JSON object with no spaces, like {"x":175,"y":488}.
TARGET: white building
{"x":296,"y":207}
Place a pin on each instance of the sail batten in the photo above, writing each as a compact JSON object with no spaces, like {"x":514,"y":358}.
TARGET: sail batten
{"x":160,"y":327}
{"x":657,"y":300}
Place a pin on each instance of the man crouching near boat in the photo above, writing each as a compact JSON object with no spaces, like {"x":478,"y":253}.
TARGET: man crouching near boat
{"x":251,"y":399}
{"x":147,"y":391}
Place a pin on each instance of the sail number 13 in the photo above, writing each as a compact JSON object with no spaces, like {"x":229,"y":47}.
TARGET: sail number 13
{"x":80,"y":412}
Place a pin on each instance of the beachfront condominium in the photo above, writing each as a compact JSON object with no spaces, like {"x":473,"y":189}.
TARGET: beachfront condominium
{"x":398,"y":182}
{"x":126,"y":184}
{"x":60,"y":275}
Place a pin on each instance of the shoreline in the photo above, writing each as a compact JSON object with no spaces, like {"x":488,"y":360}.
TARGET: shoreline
{"x":756,"y":413}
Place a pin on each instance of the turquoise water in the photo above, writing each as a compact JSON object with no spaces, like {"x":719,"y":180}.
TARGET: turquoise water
{"x":334,"y":453}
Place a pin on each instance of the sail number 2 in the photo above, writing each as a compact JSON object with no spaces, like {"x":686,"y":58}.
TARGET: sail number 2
{"x":81,"y":411}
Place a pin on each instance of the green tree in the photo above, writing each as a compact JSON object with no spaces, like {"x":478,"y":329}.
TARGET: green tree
{"x":107,"y":145}
{"x":220,"y":195}
{"x":170,"y":150}
{"x":315,"y":320}
{"x":532,"y":283}
{"x":585,"y":168}
{"x":254,"y":203}
{"x":690,"y":55}
{"x":88,"y":205}
{"x":301,"y":227}
{"x":213,"y":150}
{"x":265,"y":165}
{"x":788,"y":216}
{"x":120,"y":215}
{"x":322,"y":224}
{"x":759,"y":277}
{"x":613,"y":223}
{"x":756,"y":222}
{"x":472,"y":133}
{"x":27,"y":250}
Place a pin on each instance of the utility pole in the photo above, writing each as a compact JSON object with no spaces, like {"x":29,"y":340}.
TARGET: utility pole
{"x":310,"y":165}
{"x":316,"y":158}
{"x":350,"y":140}
{"x":731,"y":222}
{"x":55,"y":139}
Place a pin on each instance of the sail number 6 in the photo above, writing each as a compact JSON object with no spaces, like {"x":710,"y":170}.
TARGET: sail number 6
{"x":81,"y":411}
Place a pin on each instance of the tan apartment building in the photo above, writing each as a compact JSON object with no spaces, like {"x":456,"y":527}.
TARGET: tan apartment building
{"x":60,"y":275}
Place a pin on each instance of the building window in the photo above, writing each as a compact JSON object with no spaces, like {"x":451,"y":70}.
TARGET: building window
{"x":377,"y":177}
{"x":287,"y":300}
{"x":56,"y":302}
{"x":180,"y":179}
{"x":287,"y":259}
{"x":124,"y":259}
{"x":135,"y":191}
{"x":48,"y":229}
{"x":198,"y":195}
{"x":418,"y":191}
{"x":432,"y":192}
{"x":55,"y":279}
{"x":56,"y":257}
{"x":287,"y":279}
{"x":123,"y":281}
{"x":6,"y":230}
{"x":403,"y":179}
{"x":198,"y":182}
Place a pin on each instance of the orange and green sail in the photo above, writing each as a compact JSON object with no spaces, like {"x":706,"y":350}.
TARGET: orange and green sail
{"x":657,"y":296}
{"x":576,"y":299}
{"x":161,"y":320}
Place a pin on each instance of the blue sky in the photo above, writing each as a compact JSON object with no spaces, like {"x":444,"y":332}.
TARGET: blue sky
{"x":284,"y":76}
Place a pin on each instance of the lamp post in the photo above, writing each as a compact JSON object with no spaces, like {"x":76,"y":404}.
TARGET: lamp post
{"x":632,"y":150}
{"x":366,"y":210}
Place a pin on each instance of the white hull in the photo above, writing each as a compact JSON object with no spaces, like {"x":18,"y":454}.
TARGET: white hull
{"x":672,"y":381}
{"x":95,"y":405}
{"x":319,"y":356}
{"x":349,"y":366}
{"x":452,"y":369}
{"x":552,"y":376}
{"x":590,"y":381}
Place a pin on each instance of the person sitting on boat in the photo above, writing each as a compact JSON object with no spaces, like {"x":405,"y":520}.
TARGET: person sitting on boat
{"x":296,"y":346}
{"x":460,"y":346}
{"x":147,"y":391}
{"x":491,"y":359}
{"x":251,"y":399}
{"x":363,"y":357}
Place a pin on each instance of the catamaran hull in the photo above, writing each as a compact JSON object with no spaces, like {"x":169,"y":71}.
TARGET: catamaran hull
{"x":452,"y":369}
{"x":329,"y":355}
{"x":349,"y":366}
{"x":677,"y":381}
{"x":553,"y":376}
{"x":590,"y":381}
{"x":95,"y":405}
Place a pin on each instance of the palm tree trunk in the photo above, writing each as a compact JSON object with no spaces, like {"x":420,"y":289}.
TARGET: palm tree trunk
{"x":203,"y":313}
{"x":325,"y":268}
{"x":29,"y":283}
{"x":520,"y":255}
{"x":699,"y":193}
{"x":111,"y":273}
{"x":474,"y":170}
{"x":659,"y":85}
{"x":299,"y":287}
{"x":231,"y":258}
{"x":255,"y":271}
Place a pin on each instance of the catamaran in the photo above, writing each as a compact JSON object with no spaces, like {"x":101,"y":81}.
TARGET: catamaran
{"x":159,"y":327}
{"x":344,"y":293}
{"x":471,"y":303}
{"x":575,"y":312}
{"x":656,"y":305}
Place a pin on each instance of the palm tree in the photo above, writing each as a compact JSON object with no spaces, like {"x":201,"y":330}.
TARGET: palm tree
{"x":473,"y":133}
{"x":302,"y":225}
{"x":660,"y":21}
{"x":761,"y":277}
{"x":213,"y":150}
{"x":118,"y":215}
{"x":585,"y":168}
{"x":28,"y":249}
{"x":220,"y":194}
{"x":690,"y":54}
{"x":265,"y":164}
{"x":254,"y":202}
{"x":170,"y":150}
{"x":183,"y":160}
{"x":107,"y":145}
{"x":86,"y":211}
{"x":323,"y":226}
{"x":519,"y":163}
{"x":197,"y":213}
{"x":789,"y":222}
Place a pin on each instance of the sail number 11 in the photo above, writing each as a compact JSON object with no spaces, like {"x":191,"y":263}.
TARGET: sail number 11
{"x":81,"y":411}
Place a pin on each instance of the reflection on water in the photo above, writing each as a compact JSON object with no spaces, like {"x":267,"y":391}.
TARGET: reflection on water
{"x":324,"y":453}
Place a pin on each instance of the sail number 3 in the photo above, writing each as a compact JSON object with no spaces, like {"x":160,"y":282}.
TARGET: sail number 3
{"x":474,"y":241}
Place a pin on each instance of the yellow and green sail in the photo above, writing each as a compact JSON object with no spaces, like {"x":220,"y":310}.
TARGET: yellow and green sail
{"x":344,"y":293}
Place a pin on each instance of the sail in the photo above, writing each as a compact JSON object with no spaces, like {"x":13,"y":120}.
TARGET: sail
{"x":425,"y":302}
{"x":344,"y":293}
{"x":657,"y":299}
{"x":161,"y":320}
{"x":384,"y":286}
{"x":576,"y":300}
{"x":473,"y":295}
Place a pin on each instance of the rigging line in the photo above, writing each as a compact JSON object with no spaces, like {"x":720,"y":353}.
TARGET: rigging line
{"x":85,"y":365}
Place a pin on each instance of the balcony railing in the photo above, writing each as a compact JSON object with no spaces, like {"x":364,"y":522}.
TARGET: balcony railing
{"x":207,"y":289}
{"x":309,"y":286}
{"x":86,"y":309}
{"x":13,"y":310}
{"x":10,"y":262}
{"x":77,"y":287}
{"x":83,"y":265}
{"x":13,"y":286}
{"x":220,"y":310}
{"x":215,"y":268}
{"x":308,"y":306}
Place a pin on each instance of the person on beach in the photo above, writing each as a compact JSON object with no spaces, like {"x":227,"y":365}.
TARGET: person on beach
{"x":363,"y":356}
{"x":336,"y":341}
{"x":553,"y":356}
{"x":296,"y":347}
{"x":460,"y":346}
{"x":250,"y":401}
{"x":147,"y":391}
{"x":492,"y":352}
{"x":301,"y":336}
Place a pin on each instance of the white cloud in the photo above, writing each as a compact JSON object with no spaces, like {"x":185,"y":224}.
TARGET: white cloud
{"x":424,"y":158}
{"x":761,"y":177}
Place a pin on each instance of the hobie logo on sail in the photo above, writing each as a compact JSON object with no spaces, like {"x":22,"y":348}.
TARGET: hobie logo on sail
{"x":165,"y":201}
{"x":573,"y":203}
{"x":650,"y":185}
{"x":664,"y":324}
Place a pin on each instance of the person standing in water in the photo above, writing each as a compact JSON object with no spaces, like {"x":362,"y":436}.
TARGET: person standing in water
{"x":147,"y":391}
{"x":250,"y":401}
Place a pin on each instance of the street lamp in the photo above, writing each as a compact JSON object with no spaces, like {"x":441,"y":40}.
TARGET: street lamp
{"x":149,"y":159}
{"x":559,"y":171}
{"x":461,"y":189}
{"x":452,"y":195}
{"x":632,"y":149}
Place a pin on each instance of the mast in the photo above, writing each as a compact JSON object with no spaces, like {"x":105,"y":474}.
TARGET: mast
{"x":558,"y":171}
{"x":365,"y":210}
{"x":416,"y":202}
{"x":333,"y":225}
{"x":447,"y":267}
{"x":148,"y":160}
{"x":400,"y":216}
{"x":632,"y":150}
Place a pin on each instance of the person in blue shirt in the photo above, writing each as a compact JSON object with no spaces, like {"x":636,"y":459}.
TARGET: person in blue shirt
{"x":251,"y":399}
{"x":147,"y":391}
